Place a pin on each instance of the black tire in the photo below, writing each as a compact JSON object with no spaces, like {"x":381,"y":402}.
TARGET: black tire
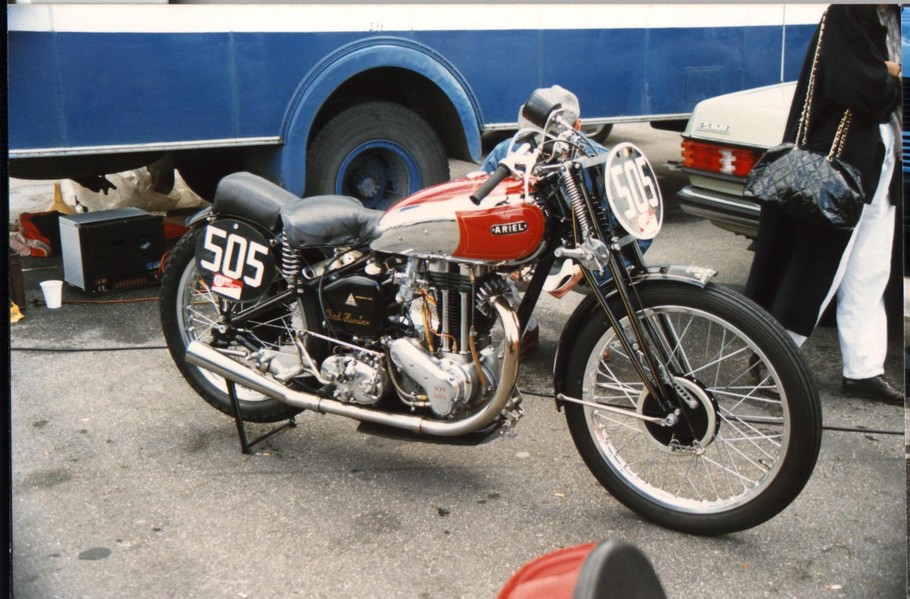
{"x":377,"y":152}
{"x":203,"y":171}
{"x":599,"y":133}
{"x":757,"y":420}
{"x":202,"y":181}
{"x":187,"y":306}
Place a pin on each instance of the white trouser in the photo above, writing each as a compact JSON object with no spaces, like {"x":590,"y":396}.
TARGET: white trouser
{"x":861,"y":279}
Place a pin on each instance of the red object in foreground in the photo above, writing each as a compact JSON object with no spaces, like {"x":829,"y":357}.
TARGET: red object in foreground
{"x":552,"y":575}
{"x":609,"y":570}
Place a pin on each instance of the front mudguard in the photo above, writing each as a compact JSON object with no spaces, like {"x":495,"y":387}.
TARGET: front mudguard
{"x":589,"y":309}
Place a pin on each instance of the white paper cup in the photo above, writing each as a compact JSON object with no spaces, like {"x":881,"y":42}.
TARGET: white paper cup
{"x":53,"y":293}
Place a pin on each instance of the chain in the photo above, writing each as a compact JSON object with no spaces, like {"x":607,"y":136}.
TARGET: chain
{"x":802,"y":132}
{"x":840,"y":137}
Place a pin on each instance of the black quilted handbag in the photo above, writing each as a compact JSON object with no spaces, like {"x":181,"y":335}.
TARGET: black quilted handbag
{"x":809,"y":186}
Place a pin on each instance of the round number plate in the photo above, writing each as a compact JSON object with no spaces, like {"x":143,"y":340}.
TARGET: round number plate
{"x":633,"y":193}
{"x":234,"y":260}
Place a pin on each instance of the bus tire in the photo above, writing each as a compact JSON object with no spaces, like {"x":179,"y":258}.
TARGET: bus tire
{"x":377,"y":152}
{"x":598,"y":133}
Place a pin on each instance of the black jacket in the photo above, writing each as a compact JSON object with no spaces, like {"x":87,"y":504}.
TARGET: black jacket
{"x":851,"y":74}
{"x":795,"y":263}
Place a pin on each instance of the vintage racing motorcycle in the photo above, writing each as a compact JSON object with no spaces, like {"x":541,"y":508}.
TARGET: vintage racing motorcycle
{"x":685,"y":400}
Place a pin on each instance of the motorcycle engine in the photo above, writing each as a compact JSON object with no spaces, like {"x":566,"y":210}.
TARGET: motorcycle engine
{"x":449,"y":364}
{"x":356,"y":378}
{"x":446,"y":360}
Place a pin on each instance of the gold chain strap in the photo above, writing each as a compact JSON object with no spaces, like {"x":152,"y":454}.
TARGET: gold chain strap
{"x":841,"y":136}
{"x":802,"y":132}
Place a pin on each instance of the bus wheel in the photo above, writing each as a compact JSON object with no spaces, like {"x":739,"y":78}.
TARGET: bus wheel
{"x":598,"y":133}
{"x":377,"y":152}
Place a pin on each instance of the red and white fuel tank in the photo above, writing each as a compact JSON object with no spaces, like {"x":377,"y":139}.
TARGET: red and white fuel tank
{"x":442,"y":221}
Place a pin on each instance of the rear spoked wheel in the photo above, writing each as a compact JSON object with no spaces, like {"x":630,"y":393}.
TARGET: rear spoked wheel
{"x":742,"y":436}
{"x":190,"y":311}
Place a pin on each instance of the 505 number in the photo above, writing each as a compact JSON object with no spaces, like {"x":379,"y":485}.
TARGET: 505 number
{"x":234,"y":256}
{"x":633,"y":192}
{"x":634,"y":186}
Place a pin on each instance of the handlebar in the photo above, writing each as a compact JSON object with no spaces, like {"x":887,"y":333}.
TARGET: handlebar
{"x":502,"y":171}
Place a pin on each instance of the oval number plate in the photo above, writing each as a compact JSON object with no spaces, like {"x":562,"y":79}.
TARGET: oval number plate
{"x":633,"y":193}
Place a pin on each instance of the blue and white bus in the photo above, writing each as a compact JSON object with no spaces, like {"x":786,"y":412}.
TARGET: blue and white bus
{"x":366,"y":100}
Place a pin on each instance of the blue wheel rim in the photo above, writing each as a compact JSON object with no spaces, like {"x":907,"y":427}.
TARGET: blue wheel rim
{"x":378,"y":173}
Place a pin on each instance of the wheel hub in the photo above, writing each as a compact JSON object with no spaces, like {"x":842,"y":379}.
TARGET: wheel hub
{"x":378,"y":173}
{"x":696,"y":426}
{"x":368,"y":187}
{"x":367,"y":178}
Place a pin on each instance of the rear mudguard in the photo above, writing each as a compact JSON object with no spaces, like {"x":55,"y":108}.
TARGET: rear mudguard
{"x":198,"y":217}
{"x":589,"y":308}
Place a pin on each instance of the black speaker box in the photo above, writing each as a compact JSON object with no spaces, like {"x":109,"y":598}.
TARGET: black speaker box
{"x":111,"y":249}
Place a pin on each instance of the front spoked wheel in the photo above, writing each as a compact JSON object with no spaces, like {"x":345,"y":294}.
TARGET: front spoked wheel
{"x":744,"y":427}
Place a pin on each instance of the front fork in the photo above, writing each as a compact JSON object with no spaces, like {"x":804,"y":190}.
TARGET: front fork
{"x":649,"y":359}
{"x":593,"y":253}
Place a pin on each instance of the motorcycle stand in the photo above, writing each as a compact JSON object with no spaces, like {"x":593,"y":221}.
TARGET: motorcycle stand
{"x":246,"y":445}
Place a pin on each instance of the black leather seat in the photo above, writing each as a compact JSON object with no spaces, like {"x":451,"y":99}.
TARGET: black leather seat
{"x":318,"y":221}
{"x":330,"y":220}
{"x":251,"y":197}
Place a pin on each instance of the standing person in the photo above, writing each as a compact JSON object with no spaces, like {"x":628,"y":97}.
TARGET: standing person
{"x":799,"y":268}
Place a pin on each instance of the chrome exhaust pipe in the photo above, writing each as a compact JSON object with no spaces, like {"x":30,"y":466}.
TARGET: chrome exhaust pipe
{"x":203,"y":356}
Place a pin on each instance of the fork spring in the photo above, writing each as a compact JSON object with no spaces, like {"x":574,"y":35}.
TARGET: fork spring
{"x":578,"y":205}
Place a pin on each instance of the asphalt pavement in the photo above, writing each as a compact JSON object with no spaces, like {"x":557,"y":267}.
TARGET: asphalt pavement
{"x":125,"y":483}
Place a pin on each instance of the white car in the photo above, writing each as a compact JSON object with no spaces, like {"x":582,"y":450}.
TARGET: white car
{"x":723,"y":139}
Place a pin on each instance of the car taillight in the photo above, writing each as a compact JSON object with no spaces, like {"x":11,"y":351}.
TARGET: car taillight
{"x":718,"y":159}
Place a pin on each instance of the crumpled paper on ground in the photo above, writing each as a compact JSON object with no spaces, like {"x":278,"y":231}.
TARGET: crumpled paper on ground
{"x":133,"y":189}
